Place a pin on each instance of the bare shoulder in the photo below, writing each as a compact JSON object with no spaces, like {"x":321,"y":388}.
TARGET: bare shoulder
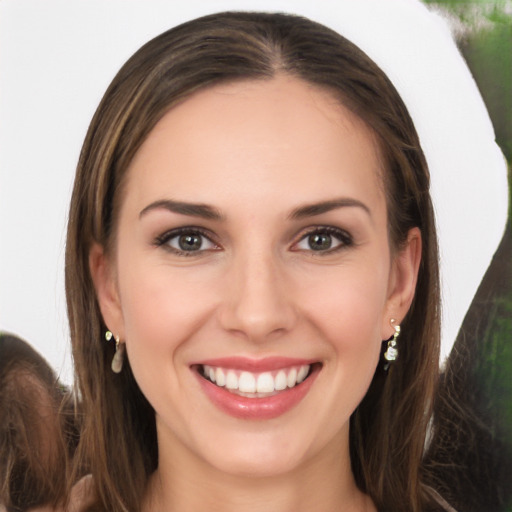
{"x":83,"y":495}
{"x":81,"y":499}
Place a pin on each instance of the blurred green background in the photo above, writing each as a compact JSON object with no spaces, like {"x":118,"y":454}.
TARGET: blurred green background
{"x":472,"y":447}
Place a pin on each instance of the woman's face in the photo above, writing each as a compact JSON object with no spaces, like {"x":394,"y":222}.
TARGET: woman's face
{"x":253,"y":251}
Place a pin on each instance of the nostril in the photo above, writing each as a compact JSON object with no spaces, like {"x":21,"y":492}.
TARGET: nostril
{"x":257,"y":321}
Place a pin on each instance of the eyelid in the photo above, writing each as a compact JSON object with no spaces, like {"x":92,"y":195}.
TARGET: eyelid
{"x":163,"y":240}
{"x":344,"y":237}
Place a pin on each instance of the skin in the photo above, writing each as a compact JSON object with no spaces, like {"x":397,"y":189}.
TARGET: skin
{"x":255,"y":151}
{"x":82,"y":497}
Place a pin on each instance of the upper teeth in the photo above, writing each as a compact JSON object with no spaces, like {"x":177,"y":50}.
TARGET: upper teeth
{"x":248,"y":382}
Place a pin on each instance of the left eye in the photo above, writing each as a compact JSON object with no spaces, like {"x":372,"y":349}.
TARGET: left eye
{"x":187,"y":241}
{"x":324,"y":240}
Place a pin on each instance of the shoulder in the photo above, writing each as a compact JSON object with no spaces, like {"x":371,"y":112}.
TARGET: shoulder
{"x":82,"y":498}
{"x":83,"y":495}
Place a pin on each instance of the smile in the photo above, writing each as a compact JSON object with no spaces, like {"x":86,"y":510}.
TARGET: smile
{"x":256,"y":385}
{"x":256,"y":390}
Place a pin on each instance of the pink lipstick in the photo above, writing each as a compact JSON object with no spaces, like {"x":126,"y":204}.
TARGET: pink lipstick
{"x":256,"y":389}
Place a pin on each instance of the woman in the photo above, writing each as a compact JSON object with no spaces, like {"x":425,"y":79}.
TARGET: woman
{"x":250,"y":220}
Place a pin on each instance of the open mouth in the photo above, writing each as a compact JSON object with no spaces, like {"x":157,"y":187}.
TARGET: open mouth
{"x":256,"y":389}
{"x":257,"y":384}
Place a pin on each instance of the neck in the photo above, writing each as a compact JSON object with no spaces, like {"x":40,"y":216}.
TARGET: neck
{"x":323,"y":484}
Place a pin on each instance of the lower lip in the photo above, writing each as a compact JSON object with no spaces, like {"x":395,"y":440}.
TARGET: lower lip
{"x":257,"y":408}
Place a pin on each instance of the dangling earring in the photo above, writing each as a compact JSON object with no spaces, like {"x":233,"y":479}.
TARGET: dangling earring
{"x":391,"y":353}
{"x":117,"y":361}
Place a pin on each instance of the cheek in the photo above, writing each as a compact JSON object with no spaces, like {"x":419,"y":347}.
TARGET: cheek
{"x":347,"y":312}
{"x":162,"y":311}
{"x":349,"y":304}
{"x":161,"y":307}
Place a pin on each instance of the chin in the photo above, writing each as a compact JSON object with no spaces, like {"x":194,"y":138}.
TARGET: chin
{"x":266,"y":454}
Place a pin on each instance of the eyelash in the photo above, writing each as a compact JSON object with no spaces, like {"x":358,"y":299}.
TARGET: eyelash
{"x":342,"y":236}
{"x":164,"y":239}
{"x":345,"y":239}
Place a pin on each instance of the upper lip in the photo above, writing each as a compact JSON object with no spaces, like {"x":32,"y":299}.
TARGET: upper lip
{"x":255,"y":365}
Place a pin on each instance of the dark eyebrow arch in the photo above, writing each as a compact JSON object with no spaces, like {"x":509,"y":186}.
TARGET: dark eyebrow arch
{"x":310,"y":210}
{"x":191,"y":209}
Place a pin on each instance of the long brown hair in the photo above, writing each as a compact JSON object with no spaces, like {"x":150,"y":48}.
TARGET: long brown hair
{"x":388,"y":429}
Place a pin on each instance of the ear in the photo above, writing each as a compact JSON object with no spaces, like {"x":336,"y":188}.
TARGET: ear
{"x":105,"y":283}
{"x":402,"y":281}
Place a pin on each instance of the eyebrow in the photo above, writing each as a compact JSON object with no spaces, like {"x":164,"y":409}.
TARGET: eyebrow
{"x":310,"y":210}
{"x":209,"y":212}
{"x":203,"y":211}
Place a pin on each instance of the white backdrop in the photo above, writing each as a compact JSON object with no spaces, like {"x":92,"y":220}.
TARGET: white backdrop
{"x":57,"y":58}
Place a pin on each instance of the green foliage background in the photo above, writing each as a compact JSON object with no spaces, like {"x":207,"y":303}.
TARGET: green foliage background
{"x":478,"y":377}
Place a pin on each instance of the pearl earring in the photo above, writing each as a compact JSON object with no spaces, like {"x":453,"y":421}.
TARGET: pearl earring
{"x":117,"y":361}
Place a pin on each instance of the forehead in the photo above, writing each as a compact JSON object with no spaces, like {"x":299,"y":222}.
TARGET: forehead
{"x":277,"y":137}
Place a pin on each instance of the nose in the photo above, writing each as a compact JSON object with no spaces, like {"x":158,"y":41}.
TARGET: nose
{"x":258,"y":302}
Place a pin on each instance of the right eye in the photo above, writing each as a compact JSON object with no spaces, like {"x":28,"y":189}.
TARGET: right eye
{"x":323,"y":240}
{"x":186,"y":241}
